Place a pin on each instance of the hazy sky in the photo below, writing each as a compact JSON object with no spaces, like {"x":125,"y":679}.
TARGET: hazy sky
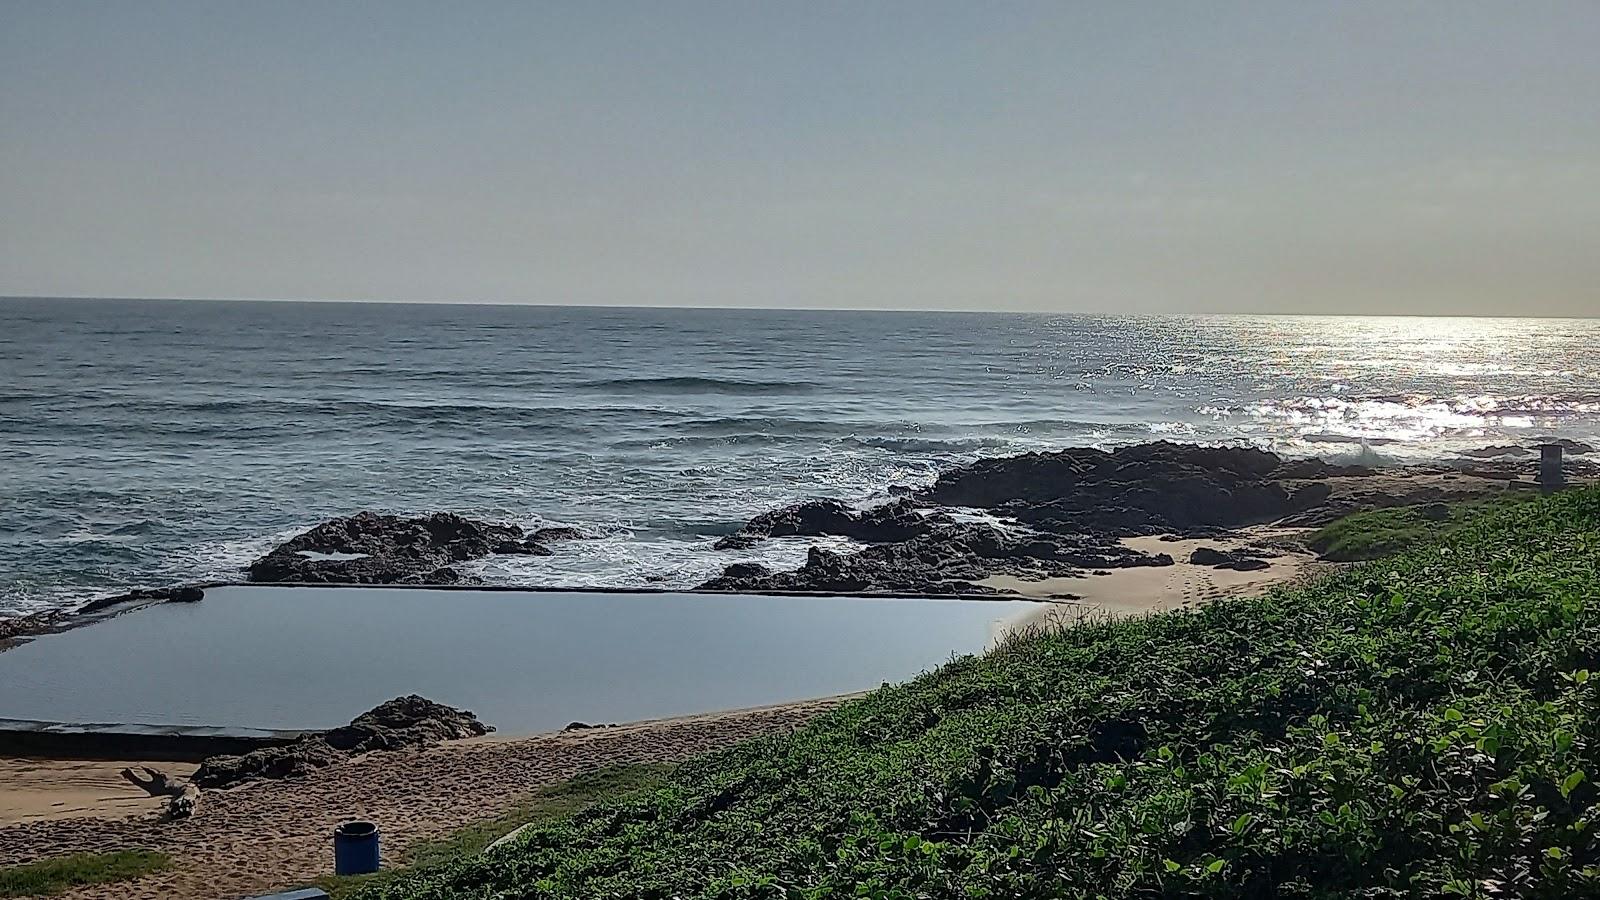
{"x":1276,"y":156}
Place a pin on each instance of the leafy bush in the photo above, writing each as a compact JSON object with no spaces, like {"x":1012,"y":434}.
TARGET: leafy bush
{"x":1421,"y":726}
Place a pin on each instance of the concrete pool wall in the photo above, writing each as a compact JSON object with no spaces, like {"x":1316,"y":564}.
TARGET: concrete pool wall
{"x":289,"y":658}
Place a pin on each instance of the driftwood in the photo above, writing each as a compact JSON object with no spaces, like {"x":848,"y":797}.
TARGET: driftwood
{"x":184,"y":795}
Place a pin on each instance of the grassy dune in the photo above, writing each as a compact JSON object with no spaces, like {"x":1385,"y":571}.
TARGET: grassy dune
{"x":1384,"y":532}
{"x":1424,"y":725}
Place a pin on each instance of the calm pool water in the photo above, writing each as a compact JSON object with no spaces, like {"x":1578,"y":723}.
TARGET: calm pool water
{"x":525,"y":662}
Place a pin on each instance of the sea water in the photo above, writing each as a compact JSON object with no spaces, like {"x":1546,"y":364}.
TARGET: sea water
{"x":155,"y":442}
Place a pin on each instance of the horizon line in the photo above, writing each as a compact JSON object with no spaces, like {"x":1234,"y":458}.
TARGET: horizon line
{"x":76,"y":298}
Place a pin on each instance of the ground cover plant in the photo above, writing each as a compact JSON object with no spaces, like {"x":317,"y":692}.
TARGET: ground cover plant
{"x":1383,"y":532}
{"x":552,"y":801}
{"x":52,"y":876}
{"x":1424,"y":725}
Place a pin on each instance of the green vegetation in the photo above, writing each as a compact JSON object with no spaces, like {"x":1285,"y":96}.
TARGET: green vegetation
{"x":1424,"y":726}
{"x":1384,"y":532}
{"x":52,"y":876}
{"x":553,"y":801}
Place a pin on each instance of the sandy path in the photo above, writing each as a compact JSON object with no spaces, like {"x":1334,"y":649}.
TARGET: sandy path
{"x":277,"y":834}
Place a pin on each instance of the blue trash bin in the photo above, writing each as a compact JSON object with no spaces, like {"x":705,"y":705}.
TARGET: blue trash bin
{"x":355,"y":849}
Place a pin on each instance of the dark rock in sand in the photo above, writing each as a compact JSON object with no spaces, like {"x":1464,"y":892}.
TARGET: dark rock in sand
{"x":410,"y":721}
{"x":294,"y":760}
{"x":1240,"y":560}
{"x":897,"y":521}
{"x":392,"y":550}
{"x":401,"y":723}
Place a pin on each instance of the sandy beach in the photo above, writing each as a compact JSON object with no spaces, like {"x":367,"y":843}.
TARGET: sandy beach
{"x":1145,"y":589}
{"x":47,"y":790}
{"x":276,"y":834}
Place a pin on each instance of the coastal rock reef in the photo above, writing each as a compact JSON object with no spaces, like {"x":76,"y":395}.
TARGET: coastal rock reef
{"x":403,"y":722}
{"x":371,"y":548}
{"x":1032,"y":516}
{"x":1065,"y":513}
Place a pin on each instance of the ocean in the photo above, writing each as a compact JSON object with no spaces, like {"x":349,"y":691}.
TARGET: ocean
{"x":145,"y":443}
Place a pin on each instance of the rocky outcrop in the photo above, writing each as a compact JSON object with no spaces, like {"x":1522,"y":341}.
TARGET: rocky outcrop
{"x":738,"y":576}
{"x":369,"y":548}
{"x":949,"y":559}
{"x":1144,"y":489}
{"x":289,"y":761}
{"x":1064,"y":512}
{"x":404,"y":722}
{"x":1041,"y":477}
{"x":409,"y":721}
{"x":897,"y":521}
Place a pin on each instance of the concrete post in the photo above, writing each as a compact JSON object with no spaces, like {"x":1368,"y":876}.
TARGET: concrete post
{"x":1551,"y":478}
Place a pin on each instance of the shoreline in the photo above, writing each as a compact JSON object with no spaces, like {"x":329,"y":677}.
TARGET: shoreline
{"x":275,"y":834}
{"x":1511,"y":457}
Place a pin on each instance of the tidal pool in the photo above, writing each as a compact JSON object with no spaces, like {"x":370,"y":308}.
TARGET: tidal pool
{"x":524,"y":661}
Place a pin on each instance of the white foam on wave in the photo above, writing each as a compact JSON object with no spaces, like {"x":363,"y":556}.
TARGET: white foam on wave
{"x":226,"y":560}
{"x":623,"y":560}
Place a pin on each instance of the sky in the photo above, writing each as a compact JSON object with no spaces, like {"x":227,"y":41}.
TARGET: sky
{"x":1351,"y":157}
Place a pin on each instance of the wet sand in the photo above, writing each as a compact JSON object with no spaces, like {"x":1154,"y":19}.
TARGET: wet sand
{"x":277,"y":834}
